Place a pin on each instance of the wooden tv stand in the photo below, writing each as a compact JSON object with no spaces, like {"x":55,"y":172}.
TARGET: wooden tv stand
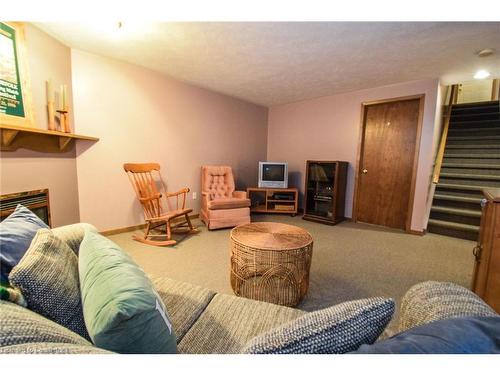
{"x":273,"y":200}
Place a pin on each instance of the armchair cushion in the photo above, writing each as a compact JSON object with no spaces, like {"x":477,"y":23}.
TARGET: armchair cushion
{"x":225,"y":203}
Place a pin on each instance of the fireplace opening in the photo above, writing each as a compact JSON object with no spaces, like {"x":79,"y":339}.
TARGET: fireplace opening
{"x":36,"y":200}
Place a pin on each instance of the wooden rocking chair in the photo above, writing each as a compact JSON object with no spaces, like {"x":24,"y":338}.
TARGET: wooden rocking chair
{"x":142,"y":177}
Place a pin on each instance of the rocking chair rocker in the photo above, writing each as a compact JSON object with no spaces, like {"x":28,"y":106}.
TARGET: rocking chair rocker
{"x":142,"y":177}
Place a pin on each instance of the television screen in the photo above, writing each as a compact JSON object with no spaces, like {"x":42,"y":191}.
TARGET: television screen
{"x":273,"y":172}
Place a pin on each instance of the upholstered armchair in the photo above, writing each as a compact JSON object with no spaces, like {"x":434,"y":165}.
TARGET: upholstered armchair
{"x":221,"y":205}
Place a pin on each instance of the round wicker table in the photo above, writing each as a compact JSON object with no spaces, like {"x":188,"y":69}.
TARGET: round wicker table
{"x":270,"y":262}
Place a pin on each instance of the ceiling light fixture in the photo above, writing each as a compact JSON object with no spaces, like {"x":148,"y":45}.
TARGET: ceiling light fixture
{"x":481,"y":74}
{"x":486,"y":52}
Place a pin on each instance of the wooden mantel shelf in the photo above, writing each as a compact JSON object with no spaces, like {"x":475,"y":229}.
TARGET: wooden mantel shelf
{"x":14,"y":137}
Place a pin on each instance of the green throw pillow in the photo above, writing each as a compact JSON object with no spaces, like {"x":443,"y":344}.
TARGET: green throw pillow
{"x":122,"y":311}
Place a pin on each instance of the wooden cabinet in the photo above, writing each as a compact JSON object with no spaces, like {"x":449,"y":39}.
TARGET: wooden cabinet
{"x":324,"y":192}
{"x":276,"y":201}
{"x":486,"y":277}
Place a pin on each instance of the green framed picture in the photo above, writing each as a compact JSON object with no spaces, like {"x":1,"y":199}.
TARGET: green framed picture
{"x":15,"y":96}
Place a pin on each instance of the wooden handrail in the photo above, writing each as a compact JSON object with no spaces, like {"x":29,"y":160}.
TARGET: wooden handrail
{"x":495,"y":89}
{"x":444,"y":134}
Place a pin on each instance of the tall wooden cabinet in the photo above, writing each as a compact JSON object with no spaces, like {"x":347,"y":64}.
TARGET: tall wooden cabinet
{"x":324,"y":193}
{"x":486,"y":277}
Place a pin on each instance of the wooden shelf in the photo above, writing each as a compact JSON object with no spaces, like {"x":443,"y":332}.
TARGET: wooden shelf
{"x":14,"y":137}
{"x":268,"y":205}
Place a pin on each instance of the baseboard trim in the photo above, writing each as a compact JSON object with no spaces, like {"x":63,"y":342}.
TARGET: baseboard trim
{"x":111,"y":232}
{"x":417,"y":232}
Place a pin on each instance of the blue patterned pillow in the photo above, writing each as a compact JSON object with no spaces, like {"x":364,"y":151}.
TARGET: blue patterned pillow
{"x":16,"y":233}
{"x":469,"y":335}
{"x":334,"y":330}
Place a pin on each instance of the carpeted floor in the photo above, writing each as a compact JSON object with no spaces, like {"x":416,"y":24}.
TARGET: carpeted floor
{"x":350,"y":261}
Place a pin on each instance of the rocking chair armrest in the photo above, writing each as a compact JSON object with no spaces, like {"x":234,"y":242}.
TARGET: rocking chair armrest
{"x":153,"y":197}
{"x":182,"y":191}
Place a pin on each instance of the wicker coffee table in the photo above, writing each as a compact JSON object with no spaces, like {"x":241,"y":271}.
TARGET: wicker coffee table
{"x":270,"y":262}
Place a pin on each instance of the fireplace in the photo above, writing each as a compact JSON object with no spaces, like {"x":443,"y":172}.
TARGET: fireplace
{"x":36,"y":200}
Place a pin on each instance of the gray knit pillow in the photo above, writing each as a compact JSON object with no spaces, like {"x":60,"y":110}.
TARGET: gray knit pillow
{"x":338,"y":329}
{"x":48,"y":278}
{"x":18,"y":325}
{"x":435,"y":300}
{"x":52,"y":348}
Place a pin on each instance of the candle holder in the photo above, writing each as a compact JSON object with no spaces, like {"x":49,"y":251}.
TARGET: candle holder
{"x":63,"y":116}
{"x":67,"y":123}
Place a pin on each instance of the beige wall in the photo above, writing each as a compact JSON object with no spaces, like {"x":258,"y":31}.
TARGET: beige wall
{"x":328,"y":128}
{"x":142,"y":116}
{"x":23,"y":170}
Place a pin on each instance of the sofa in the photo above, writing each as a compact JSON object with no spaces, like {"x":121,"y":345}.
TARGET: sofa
{"x":208,"y":322}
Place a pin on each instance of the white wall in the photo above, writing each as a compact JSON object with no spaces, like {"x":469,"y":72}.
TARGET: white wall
{"x":143,"y":116}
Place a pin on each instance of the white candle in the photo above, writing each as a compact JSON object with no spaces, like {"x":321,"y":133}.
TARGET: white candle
{"x":61,"y":97}
{"x":64,"y":97}
{"x":50,"y":93}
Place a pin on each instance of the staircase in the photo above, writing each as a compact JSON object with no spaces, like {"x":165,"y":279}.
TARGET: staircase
{"x":471,"y":162}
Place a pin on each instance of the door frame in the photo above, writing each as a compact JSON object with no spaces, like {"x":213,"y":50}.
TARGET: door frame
{"x":359,"y":161}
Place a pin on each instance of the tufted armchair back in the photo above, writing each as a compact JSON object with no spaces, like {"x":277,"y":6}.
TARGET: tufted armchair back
{"x":217,"y":181}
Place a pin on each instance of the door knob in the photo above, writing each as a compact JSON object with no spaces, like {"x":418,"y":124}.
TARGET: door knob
{"x":365,"y":171}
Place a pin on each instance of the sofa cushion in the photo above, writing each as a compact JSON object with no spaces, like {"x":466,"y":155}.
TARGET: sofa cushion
{"x":228,"y":203}
{"x":470,"y":335}
{"x":433,"y":300}
{"x":47,"y":276}
{"x":16,"y":233}
{"x":334,"y":330}
{"x":229,"y":322}
{"x":73,"y":234}
{"x":122,"y":310}
{"x":18,"y":325}
{"x":52,"y":348}
{"x":185,"y":302}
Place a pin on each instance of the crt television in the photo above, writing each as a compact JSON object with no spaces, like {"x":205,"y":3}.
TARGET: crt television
{"x":273,"y":174}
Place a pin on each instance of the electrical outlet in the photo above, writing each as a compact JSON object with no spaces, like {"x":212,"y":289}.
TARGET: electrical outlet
{"x":194,"y":195}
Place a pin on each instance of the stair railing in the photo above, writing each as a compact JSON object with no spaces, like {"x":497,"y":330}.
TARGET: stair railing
{"x":495,"y":89}
{"x":444,"y":135}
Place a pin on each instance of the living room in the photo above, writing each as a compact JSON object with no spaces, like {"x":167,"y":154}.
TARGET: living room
{"x":184,"y":95}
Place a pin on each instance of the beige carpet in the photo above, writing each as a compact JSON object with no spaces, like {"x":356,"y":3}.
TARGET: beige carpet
{"x":350,"y":261}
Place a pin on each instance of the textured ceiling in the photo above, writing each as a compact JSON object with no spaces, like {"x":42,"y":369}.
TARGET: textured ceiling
{"x":273,"y":63}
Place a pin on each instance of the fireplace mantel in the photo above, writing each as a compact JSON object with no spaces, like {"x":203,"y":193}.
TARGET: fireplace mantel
{"x":14,"y":137}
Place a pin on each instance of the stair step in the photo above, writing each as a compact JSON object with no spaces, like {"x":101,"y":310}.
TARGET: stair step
{"x":452,"y":225}
{"x":486,"y":103}
{"x":471,"y":171}
{"x":473,"y":146}
{"x":470,"y":176}
{"x":456,"y":211}
{"x":484,"y":109}
{"x":473,"y":137}
{"x":473,"y":156}
{"x":467,"y":117}
{"x":471,"y":165}
{"x":443,"y":185}
{"x":474,"y":129}
{"x":472,"y":122}
{"x":457,"y":198}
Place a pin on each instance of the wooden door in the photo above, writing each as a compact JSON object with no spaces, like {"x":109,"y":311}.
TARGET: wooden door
{"x":387,"y":167}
